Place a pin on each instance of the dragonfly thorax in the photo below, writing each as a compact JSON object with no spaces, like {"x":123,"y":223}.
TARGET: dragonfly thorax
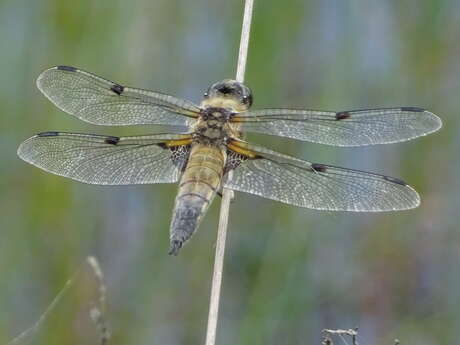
{"x":212,"y":125}
{"x":216,"y":114}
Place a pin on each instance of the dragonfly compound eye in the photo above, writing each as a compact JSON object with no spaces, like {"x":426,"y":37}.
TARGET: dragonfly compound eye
{"x":247,"y":100}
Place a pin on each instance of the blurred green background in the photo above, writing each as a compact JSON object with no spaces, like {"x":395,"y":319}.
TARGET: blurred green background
{"x":289,"y":272}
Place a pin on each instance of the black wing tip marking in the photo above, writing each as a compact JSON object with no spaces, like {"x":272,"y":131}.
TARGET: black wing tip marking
{"x":48,"y":134}
{"x":66,"y":68}
{"x":342,"y":115}
{"x":117,"y":88}
{"x":318,"y":167}
{"x":112,"y":140}
{"x":395,"y":180}
{"x":414,"y":109}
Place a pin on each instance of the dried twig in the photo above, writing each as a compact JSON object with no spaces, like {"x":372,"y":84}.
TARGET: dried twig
{"x":227,"y":194}
{"x":97,"y":311}
{"x":244,"y":42}
{"x":36,"y":326}
{"x":327,"y":333}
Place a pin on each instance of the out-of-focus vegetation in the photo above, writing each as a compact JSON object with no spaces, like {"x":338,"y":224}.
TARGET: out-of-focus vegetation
{"x":289,"y":272}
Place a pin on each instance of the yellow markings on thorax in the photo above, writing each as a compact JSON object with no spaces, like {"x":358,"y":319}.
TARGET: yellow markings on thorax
{"x":241,"y":148}
{"x":188,"y":113}
{"x":237,"y":119}
{"x":179,"y":142}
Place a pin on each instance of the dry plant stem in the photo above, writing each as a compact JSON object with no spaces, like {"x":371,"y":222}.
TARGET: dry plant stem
{"x":227,"y":194}
{"x":36,"y":326}
{"x":218,"y":267}
{"x":244,"y":42}
{"x":327,"y":333}
{"x":97,"y":312}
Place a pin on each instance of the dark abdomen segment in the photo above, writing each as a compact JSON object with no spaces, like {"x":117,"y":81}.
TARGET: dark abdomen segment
{"x":197,"y":188}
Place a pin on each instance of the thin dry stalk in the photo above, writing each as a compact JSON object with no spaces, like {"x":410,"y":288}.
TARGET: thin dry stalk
{"x":328,"y":333}
{"x":96,"y":312}
{"x":227,"y":194}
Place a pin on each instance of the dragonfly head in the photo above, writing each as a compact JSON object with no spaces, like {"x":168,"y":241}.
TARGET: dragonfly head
{"x":229,"y":93}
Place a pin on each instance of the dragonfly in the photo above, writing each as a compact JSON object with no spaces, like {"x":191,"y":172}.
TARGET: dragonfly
{"x":207,"y":151}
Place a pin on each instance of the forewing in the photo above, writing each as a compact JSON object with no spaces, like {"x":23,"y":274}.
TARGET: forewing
{"x":108,"y":160}
{"x":269,"y":174}
{"x":345,"y":128}
{"x":102,"y":102}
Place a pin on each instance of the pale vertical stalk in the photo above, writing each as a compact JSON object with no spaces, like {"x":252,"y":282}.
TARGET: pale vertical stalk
{"x":227,"y":194}
{"x":244,"y":42}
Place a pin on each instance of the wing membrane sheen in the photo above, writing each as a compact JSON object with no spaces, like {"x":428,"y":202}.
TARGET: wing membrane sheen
{"x":108,"y":160}
{"x":102,"y":102}
{"x":317,"y":186}
{"x":344,"y":128}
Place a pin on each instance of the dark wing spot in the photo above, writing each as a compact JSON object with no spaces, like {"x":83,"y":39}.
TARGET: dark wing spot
{"x":415,"y":109}
{"x":118,"y":89}
{"x":319,"y":167}
{"x":395,"y":180}
{"x":342,"y":115}
{"x":67,"y":68}
{"x":234,"y":160}
{"x":48,"y":134}
{"x":163,"y":145}
{"x":112,"y":140}
{"x":179,"y":155}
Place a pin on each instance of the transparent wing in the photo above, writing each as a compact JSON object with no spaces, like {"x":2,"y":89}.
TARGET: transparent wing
{"x":108,"y":160}
{"x":275,"y":176}
{"x":102,"y":102}
{"x":345,"y":128}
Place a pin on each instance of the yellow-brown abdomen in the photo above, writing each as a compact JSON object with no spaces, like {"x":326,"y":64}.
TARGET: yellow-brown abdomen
{"x":198,"y":185}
